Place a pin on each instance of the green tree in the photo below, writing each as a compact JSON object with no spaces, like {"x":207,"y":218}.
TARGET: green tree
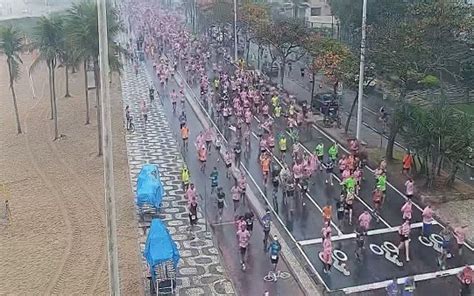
{"x":437,"y":133}
{"x":286,"y":38}
{"x":47,"y":39}
{"x":11,"y":45}
{"x":84,"y":34}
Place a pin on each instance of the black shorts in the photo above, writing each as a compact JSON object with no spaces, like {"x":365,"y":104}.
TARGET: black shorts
{"x":274,"y":260}
{"x":250,"y":227}
{"x":403,"y":238}
{"x":340,"y":215}
{"x":243,"y":250}
{"x":220,"y":205}
{"x":409,"y":196}
{"x":349,"y":206}
{"x":228,"y":165}
{"x":202,"y":161}
{"x":192,"y":219}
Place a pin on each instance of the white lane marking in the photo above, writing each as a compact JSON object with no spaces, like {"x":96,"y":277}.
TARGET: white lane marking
{"x":357,"y":196}
{"x":400,"y":281}
{"x":353,"y":235}
{"x":286,"y":229}
{"x":389,"y":184}
{"x":320,"y":279}
{"x":307,"y":194}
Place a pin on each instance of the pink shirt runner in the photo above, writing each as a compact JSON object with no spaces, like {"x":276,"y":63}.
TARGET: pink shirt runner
{"x":244,"y":237}
{"x":427,"y":215}
{"x":327,"y":251}
{"x":407,"y":210}
{"x":460,"y":235}
{"x":364,"y":220}
{"x":410,"y":187}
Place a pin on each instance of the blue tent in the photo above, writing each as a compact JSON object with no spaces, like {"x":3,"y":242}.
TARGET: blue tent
{"x":159,"y":246}
{"x":149,"y":187}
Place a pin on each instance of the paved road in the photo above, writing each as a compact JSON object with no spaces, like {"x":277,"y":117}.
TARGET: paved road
{"x":303,"y":224}
{"x":372,"y":129}
{"x":251,"y":281}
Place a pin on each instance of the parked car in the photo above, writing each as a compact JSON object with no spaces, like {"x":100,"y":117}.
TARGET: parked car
{"x":321,"y":101}
{"x":271,"y":70}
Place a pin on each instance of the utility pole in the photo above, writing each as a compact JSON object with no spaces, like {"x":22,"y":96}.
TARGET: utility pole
{"x":361,"y":70}
{"x":236,"y":57}
{"x":110,"y":212}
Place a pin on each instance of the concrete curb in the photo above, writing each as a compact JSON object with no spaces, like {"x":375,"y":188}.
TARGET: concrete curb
{"x":301,"y":276}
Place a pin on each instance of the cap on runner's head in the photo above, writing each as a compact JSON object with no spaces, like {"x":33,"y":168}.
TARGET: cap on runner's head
{"x":267,"y":210}
{"x":275,"y":237}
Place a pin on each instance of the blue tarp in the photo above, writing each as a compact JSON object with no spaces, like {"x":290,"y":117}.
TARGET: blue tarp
{"x":149,"y":187}
{"x":159,"y":246}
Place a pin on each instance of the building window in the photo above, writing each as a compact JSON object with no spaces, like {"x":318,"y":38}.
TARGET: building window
{"x":315,"y":11}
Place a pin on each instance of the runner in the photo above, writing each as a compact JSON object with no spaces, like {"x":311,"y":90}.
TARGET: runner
{"x":185,"y":136}
{"x":327,"y":254}
{"x":407,"y":210}
{"x":446,"y":236}
{"x":228,"y":163}
{"x":282,"y":146}
{"x":466,"y":276}
{"x":407,"y":163}
{"x":220,"y":203}
{"x":329,"y":171}
{"x":409,"y":188}
{"x":174,"y":100}
{"x":192,"y":207}
{"x":243,"y":236}
{"x":265,"y":160}
{"x":333,"y":152}
{"x":275,"y":249}
{"x":319,"y":152}
{"x":144,"y":110}
{"x":460,"y":236}
{"x":340,"y":207}
{"x":182,"y":119}
{"x":404,"y":232}
{"x":364,"y":222}
{"x":202,"y":156}
{"x":350,"y":195}
{"x":266,"y":222}
{"x":214,"y":179}
{"x":235,"y":191}
{"x":327,"y":213}
{"x":249,"y":216}
{"x":185,"y":177}
{"x":427,"y":221}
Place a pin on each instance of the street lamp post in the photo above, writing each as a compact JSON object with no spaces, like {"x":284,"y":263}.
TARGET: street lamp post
{"x":235,"y":31}
{"x":110,"y":212}
{"x":361,"y":69}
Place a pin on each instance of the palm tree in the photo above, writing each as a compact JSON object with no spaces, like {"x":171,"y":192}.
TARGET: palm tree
{"x":11,"y":44}
{"x":48,"y":40}
{"x":84,"y":34}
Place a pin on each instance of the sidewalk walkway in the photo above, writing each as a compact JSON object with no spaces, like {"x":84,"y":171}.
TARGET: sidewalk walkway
{"x":200,"y":270}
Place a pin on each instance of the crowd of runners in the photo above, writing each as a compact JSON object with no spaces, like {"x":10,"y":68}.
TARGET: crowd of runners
{"x":243,"y":102}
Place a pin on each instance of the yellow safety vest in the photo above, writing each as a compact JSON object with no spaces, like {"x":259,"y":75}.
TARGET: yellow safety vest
{"x":282,"y":144}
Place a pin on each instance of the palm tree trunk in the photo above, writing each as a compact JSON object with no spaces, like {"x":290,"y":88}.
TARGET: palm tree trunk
{"x":15,"y":105}
{"x":55,"y":104}
{"x":50,"y":91}
{"x":66,"y":72}
{"x":86,"y":89}
{"x":99,"y":106}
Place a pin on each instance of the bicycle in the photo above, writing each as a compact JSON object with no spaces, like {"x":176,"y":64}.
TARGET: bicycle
{"x":273,"y":276}
{"x":130,"y":125}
